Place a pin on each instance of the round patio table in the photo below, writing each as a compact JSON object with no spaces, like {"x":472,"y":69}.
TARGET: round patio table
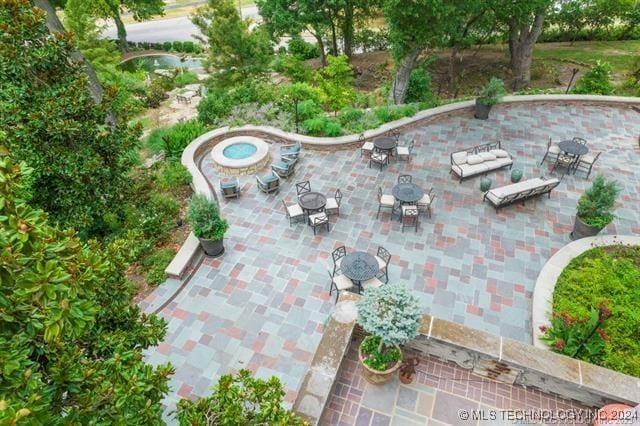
{"x":359,"y":266}
{"x":386,"y":144}
{"x":312,"y":201}
{"x":407,"y":193}
{"x":574,"y":148}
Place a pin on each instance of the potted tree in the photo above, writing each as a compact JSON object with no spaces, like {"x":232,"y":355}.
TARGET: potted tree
{"x":207,"y":225}
{"x":490,"y":95}
{"x":594,"y":208}
{"x":391,"y":315}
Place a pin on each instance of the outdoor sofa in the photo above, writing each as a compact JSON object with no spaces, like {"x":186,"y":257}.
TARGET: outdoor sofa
{"x":505,"y":195}
{"x":479,"y":159}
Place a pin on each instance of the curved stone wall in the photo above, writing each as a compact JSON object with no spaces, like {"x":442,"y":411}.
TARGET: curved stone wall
{"x":543,"y":291}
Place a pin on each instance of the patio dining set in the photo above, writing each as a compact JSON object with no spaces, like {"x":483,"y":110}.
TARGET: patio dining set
{"x":313,"y":207}
{"x":407,"y":201}
{"x":381,"y":150}
{"x":359,"y":270}
{"x":571,"y":155}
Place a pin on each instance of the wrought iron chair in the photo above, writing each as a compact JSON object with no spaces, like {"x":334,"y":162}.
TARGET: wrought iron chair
{"x":337,"y":256}
{"x":586,"y":162}
{"x":379,"y":158}
{"x":385,"y":201}
{"x":383,"y":257}
{"x":303,"y":187}
{"x":405,"y":179}
{"x":424,"y":203}
{"x":333,"y":204}
{"x":580,"y":141}
{"x":318,"y":219}
{"x":410,"y":217}
{"x":553,"y":150}
{"x":405,"y":151}
{"x":293,"y":211}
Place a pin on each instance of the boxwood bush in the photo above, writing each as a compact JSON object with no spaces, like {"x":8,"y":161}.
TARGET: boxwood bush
{"x":609,"y":275}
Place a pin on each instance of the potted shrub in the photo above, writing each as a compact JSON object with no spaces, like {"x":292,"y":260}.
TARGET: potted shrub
{"x":391,"y":315}
{"x":594,"y":208}
{"x":485,"y":184}
{"x":490,"y":95}
{"x":207,"y":225}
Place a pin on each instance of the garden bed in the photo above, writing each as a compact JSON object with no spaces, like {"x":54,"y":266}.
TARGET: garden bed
{"x":609,"y":275}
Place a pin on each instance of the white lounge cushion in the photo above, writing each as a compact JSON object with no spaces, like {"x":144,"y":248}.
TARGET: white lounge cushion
{"x":470,"y":170}
{"x":320,"y":217}
{"x":367,"y":146}
{"x":554,"y":149}
{"x":342,"y":282}
{"x":332,"y":204}
{"x":474,"y":159}
{"x":497,"y":163}
{"x":425,"y":200}
{"x":378,"y":156}
{"x":372,"y":283}
{"x":381,"y":263}
{"x":499,"y":153}
{"x":496,"y":195}
{"x":295,"y":210}
{"x":387,"y":200}
{"x":589,"y":159}
{"x":459,"y":157}
{"x":487,"y":156}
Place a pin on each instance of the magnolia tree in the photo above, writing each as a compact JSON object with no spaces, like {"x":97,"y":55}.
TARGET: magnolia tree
{"x":390,"y":313}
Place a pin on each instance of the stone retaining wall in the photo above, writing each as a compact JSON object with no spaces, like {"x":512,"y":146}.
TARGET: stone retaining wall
{"x":488,"y":355}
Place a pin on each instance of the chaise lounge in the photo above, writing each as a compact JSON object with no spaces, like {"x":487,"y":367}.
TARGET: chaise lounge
{"x":505,"y":195}
{"x":479,"y":159}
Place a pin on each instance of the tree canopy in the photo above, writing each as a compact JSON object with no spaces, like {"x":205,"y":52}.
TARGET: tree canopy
{"x":51,"y":122}
{"x":70,"y":338}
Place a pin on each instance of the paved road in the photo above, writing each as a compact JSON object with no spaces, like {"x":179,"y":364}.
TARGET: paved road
{"x":174,"y":29}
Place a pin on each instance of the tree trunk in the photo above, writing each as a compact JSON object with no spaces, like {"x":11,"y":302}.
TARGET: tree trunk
{"x":122,"y":31}
{"x":55,"y":26}
{"x":318,"y":36}
{"x":401,"y":80}
{"x":334,"y":39}
{"x":522,"y":39}
{"x":347,"y":29}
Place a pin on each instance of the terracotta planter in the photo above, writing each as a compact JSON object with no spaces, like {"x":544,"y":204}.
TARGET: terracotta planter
{"x":482,"y":110}
{"x":376,"y":377}
{"x":408,"y":370}
{"x":582,"y":230}
{"x":213,"y":248}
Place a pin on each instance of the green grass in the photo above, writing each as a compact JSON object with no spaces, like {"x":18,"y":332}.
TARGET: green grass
{"x":622,"y":55}
{"x":611,"y":275}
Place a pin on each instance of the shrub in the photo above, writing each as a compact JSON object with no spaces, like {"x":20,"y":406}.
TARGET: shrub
{"x":392,"y":315}
{"x":308,"y":109}
{"x":349,"y":115}
{"x":596,"y":81}
{"x":166,"y":46}
{"x":205,"y":220}
{"x":180,"y":135}
{"x":173,"y":175}
{"x":493,"y":92}
{"x":295,"y":69}
{"x":184,"y":78}
{"x":315,"y":126}
{"x":383,"y":114}
{"x":419,"y":89}
{"x":610,"y":276}
{"x":157,"y":216}
{"x":240,"y":400}
{"x":332,"y":128}
{"x":302,"y":49}
{"x":154,"y":265}
{"x":595,"y":205}
{"x":155,"y":94}
{"x":217,"y":104}
{"x":188,"y":47}
{"x":177,"y":46}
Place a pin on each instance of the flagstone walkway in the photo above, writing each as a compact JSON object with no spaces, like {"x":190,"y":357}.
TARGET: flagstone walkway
{"x":263,"y":304}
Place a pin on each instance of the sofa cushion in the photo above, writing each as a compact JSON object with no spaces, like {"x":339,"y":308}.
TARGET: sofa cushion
{"x":487,"y":156}
{"x":499,"y":153}
{"x":474,"y":159}
{"x":268,"y":178}
{"x":227,"y":185}
{"x":498,"y":163}
{"x":459,"y":157}
{"x":473,"y":169}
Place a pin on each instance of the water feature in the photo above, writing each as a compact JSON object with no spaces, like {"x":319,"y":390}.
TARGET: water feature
{"x":240,"y":150}
{"x":153,"y":62}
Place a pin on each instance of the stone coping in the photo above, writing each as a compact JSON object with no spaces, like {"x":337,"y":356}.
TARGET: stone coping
{"x":543,"y":291}
{"x":193,"y":153}
{"x":217,"y":153}
{"x":495,"y":357}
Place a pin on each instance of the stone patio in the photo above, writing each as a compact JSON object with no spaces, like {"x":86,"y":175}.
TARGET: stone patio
{"x":263,"y":304}
{"x":441,"y":394}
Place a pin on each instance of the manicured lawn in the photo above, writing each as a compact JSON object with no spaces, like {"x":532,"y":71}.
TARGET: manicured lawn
{"x":622,"y":55}
{"x":611,"y":275}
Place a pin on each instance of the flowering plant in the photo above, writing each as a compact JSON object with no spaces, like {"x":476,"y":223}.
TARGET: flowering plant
{"x":578,"y":338}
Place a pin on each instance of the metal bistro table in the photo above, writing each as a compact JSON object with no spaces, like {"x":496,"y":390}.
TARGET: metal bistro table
{"x":359,"y":267}
{"x":407,"y":193}
{"x":312,"y":202}
{"x":574,"y":149}
{"x":385,"y":144}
